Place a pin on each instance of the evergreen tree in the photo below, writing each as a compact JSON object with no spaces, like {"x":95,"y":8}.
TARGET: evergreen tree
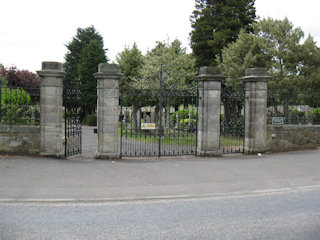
{"x":130,"y":62}
{"x":216,"y":23}
{"x":85,"y":52}
{"x":90,"y":57}
{"x":276,"y":45}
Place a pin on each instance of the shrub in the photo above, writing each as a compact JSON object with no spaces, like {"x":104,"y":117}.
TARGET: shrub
{"x":184,"y":119}
{"x":314,"y":116}
{"x":92,"y":120}
{"x":15,"y":108}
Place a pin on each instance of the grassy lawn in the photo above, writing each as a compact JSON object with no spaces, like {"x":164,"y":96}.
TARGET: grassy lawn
{"x":177,"y":138}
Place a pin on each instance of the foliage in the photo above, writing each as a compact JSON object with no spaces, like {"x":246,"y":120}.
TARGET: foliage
{"x":184,"y":116}
{"x":16,"y":108}
{"x":130,"y":62}
{"x":90,"y":57}
{"x":18,"y":78}
{"x":276,"y":45}
{"x":92,"y":120}
{"x":80,"y":41}
{"x":217,"y":23}
{"x":178,"y":67}
{"x":314,"y":115}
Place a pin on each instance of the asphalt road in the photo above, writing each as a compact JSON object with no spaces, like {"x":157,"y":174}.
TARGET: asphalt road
{"x":292,"y":214}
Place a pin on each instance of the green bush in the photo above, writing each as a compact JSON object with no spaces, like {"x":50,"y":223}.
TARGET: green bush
{"x":92,"y":120}
{"x":314,"y":116}
{"x":184,"y":119}
{"x":15,"y":108}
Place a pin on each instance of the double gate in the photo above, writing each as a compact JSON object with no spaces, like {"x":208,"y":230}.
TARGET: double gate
{"x":73,"y":116}
{"x":158,"y":122}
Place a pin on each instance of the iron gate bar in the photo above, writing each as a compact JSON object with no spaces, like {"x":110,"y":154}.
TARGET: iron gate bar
{"x":232,"y":129}
{"x":73,"y":126}
{"x":169,"y":138}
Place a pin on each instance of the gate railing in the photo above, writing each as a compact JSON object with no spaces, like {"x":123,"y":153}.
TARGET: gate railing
{"x":158,"y":122}
{"x":72,"y":116}
{"x":232,"y":122}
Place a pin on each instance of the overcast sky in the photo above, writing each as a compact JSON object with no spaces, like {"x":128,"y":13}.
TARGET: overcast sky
{"x":33,"y":31}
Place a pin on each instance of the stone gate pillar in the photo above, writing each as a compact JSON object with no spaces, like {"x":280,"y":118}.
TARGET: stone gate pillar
{"x":51,"y":82}
{"x":209,"y":82}
{"x":108,"y":77}
{"x":255,"y":81}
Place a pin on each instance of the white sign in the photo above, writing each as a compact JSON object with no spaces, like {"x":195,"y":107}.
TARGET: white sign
{"x":277,"y":121}
{"x":148,"y":126}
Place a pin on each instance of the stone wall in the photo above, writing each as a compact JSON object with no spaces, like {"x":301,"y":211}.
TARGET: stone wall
{"x":292,"y":137}
{"x":15,"y":139}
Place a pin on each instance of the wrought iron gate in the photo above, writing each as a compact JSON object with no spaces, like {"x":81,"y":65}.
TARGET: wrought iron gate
{"x":232,"y":121}
{"x":158,"y":122}
{"x":72,"y":112}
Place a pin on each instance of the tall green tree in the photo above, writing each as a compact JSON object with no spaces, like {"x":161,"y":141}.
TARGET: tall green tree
{"x":90,"y":57}
{"x":178,"y":67}
{"x":278,"y":46}
{"x":178,"y":71}
{"x":130,"y":62}
{"x":294,"y":64}
{"x":216,"y":23}
{"x":85,"y":52}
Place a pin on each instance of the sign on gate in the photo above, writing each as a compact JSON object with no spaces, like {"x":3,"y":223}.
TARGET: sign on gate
{"x":148,"y":126}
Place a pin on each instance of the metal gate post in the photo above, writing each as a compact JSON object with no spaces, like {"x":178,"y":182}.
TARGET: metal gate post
{"x":51,"y":78}
{"x":210,"y":79}
{"x":108,"y":77}
{"x":256,"y":81}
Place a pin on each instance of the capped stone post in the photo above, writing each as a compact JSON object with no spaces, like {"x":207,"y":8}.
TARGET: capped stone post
{"x":51,"y":83}
{"x":209,"y":82}
{"x":256,"y":81}
{"x":108,"y":77}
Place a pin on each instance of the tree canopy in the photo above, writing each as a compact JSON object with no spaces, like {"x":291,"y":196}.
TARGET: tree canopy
{"x":278,"y":46}
{"x":178,"y":67}
{"x":130,"y":62}
{"x":14,"y":77}
{"x":216,"y":23}
{"x":85,"y":52}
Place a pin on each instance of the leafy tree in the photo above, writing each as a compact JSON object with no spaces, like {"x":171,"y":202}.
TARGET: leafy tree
{"x":278,"y":46}
{"x":85,"y":52}
{"x":19,"y":78}
{"x":178,"y":68}
{"x":130,"y":62}
{"x":178,"y":71}
{"x":216,"y":23}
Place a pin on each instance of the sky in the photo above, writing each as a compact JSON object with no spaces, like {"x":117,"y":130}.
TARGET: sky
{"x":34,"y":31}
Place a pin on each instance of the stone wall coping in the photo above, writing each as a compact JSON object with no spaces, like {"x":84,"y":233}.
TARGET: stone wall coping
{"x":19,"y":128}
{"x":293,"y":126}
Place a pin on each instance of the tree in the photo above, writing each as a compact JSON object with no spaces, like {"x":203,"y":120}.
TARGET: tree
{"x":85,"y":52}
{"x":278,"y":46}
{"x":216,"y":23}
{"x":90,"y":57}
{"x":130,"y":62}
{"x":179,"y":69}
{"x":13,"y":77}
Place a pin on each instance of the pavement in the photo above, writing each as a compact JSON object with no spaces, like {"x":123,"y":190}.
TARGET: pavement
{"x":81,"y":178}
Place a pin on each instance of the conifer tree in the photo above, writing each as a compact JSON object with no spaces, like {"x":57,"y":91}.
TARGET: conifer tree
{"x":216,"y":23}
